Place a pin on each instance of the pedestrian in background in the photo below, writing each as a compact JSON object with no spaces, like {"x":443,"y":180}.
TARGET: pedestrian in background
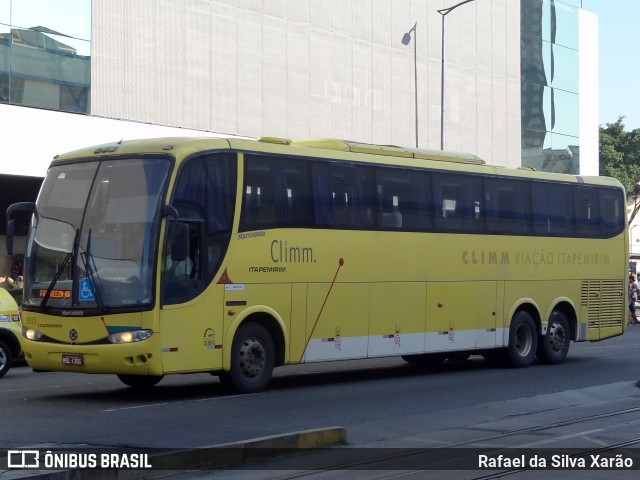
{"x":633,"y":296}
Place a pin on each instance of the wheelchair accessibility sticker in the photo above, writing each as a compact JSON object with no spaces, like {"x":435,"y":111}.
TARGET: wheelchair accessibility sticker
{"x":86,"y":291}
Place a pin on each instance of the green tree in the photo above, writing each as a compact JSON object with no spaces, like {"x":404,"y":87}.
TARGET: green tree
{"x":620,"y":158}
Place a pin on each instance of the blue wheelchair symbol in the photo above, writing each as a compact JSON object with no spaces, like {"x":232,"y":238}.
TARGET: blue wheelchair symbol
{"x":86,"y":291}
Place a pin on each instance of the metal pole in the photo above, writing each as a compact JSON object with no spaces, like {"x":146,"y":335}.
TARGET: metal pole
{"x":443,"y":12}
{"x":442,"y":88}
{"x":405,"y":41}
{"x":415,"y":74}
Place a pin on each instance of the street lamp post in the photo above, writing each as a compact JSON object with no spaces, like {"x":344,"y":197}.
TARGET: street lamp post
{"x":406,"y":38}
{"x":443,"y":12}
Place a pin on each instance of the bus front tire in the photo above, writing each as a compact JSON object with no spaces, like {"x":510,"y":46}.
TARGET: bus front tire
{"x":252,"y":360}
{"x":523,"y":340}
{"x":554,"y":345}
{"x":6,"y":358}
{"x":140,"y":381}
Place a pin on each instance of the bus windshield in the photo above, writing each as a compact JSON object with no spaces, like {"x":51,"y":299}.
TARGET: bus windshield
{"x":95,"y":240}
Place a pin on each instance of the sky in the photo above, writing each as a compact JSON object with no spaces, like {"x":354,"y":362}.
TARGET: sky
{"x":619,"y":59}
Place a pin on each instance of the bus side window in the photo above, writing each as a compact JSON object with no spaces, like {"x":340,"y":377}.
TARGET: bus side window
{"x":508,"y":206}
{"x":276,"y":193}
{"x":458,"y":202}
{"x":322,"y":194}
{"x":611,"y":211}
{"x":552,"y":206}
{"x":259,"y":205}
{"x":393,"y":198}
{"x":587,"y":211}
{"x":297,"y":194}
{"x":342,"y":195}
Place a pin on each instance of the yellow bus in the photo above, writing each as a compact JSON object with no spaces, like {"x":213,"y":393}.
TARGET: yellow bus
{"x":229,"y":256}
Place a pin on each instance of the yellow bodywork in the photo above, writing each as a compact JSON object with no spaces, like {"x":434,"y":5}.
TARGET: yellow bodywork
{"x":338,"y":294}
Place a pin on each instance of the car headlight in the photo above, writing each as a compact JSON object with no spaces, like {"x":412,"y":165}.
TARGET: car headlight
{"x":10,"y":318}
{"x":31,"y":334}
{"x":130,"y":337}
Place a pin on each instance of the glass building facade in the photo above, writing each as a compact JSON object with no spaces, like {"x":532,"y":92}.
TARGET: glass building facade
{"x":550,"y":87}
{"x":45,"y":48}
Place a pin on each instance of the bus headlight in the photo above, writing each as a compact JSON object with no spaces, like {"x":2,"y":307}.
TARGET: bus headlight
{"x":130,"y":337}
{"x":31,"y":334}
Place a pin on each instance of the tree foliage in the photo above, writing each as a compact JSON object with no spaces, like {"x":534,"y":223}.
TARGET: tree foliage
{"x":620,"y":158}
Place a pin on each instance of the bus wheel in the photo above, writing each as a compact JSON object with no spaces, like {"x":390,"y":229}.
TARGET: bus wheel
{"x":554,"y":346}
{"x":6,"y":358}
{"x":523,"y":340}
{"x":252,"y":360}
{"x":140,"y":381}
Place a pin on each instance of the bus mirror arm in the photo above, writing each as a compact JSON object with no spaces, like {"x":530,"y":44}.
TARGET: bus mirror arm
{"x":29,"y":207}
{"x":170,"y":211}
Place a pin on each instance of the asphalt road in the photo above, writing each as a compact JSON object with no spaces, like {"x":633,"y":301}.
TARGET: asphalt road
{"x":40,"y":409}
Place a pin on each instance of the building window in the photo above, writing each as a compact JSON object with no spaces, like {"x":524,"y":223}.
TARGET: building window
{"x":47,"y":64}
{"x":549,"y":89}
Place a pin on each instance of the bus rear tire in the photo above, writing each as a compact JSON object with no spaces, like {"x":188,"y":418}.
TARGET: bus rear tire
{"x":252,"y":360}
{"x":6,"y":358}
{"x":554,"y":345}
{"x":523,"y":340}
{"x":140,"y":381}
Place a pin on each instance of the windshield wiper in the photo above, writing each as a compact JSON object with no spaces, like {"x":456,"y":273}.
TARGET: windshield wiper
{"x":61,"y":268}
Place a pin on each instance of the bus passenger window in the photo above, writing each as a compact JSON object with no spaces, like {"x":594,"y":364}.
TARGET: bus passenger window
{"x":587,"y":212}
{"x":276,"y":193}
{"x":552,"y":206}
{"x":611,"y":211}
{"x":259,"y":205}
{"x":459,"y":203}
{"x":342,"y":195}
{"x":449,"y":207}
{"x":508,"y":206}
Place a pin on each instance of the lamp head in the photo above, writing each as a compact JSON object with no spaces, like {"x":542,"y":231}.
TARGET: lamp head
{"x":406,"y":38}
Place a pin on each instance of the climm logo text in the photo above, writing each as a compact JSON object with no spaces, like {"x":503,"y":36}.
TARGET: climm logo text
{"x":281,"y":252}
{"x":474,"y":257}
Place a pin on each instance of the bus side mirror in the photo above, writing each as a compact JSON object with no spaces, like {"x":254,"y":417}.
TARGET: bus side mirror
{"x":28,"y":207}
{"x":9,"y":239}
{"x":180,"y":242}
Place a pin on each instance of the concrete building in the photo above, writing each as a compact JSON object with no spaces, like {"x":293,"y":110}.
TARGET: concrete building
{"x":520,"y":77}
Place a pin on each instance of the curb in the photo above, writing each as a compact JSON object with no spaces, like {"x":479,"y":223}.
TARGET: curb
{"x":212,"y":457}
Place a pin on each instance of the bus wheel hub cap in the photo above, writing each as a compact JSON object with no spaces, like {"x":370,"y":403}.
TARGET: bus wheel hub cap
{"x":252,"y":357}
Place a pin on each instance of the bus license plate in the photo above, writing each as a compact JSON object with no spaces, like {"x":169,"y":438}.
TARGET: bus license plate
{"x":72,"y":360}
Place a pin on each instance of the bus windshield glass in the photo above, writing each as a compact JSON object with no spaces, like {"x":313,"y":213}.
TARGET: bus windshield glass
{"x":95,"y":241}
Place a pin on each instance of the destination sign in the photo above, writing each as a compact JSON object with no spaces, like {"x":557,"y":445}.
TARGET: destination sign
{"x":55,"y":293}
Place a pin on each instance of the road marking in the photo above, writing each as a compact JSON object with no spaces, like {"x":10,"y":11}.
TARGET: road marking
{"x":179,"y":402}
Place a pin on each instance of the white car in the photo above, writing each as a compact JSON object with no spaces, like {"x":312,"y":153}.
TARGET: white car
{"x":10,"y":331}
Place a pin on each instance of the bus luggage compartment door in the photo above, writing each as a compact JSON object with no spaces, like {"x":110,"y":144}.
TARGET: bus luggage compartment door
{"x":461,"y":315}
